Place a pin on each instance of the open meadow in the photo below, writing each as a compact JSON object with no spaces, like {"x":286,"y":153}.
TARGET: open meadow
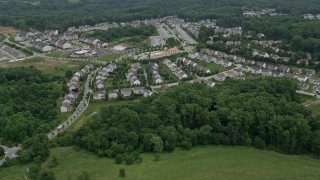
{"x":48,"y":66}
{"x":210,"y":162}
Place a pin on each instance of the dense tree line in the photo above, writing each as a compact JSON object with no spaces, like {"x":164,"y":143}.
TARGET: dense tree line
{"x":60,"y":14}
{"x":27,"y":103}
{"x":264,"y":113}
{"x":27,"y":109}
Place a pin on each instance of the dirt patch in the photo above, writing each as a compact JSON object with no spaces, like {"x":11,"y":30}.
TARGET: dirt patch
{"x":8,"y":30}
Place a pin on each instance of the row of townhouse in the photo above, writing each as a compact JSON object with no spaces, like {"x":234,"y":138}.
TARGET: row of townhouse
{"x":175,"y":69}
{"x":195,"y":66}
{"x":74,"y":86}
{"x":205,"y":55}
{"x":100,"y":81}
{"x":229,"y":74}
{"x":7,"y":53}
{"x":315,"y":82}
{"x":96,"y":43}
{"x":127,"y":92}
{"x":41,"y":46}
{"x":41,"y":40}
{"x":62,"y":44}
{"x":132,"y":75}
{"x":156,"y":78}
{"x":164,"y":53}
{"x":216,"y":59}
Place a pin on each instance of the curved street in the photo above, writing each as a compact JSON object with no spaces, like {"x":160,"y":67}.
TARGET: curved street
{"x":81,"y":107}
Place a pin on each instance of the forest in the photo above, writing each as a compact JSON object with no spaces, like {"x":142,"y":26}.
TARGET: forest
{"x":60,"y":14}
{"x":28,"y":109}
{"x":264,"y":113}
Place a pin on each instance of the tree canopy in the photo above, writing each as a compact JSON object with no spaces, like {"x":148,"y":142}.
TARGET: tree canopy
{"x":264,"y":113}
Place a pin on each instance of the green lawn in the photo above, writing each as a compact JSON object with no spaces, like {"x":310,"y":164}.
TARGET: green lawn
{"x":314,"y":106}
{"x":55,"y":54}
{"x":212,"y":67}
{"x":211,"y":162}
{"x":109,"y":57}
{"x":311,"y":103}
{"x":14,"y":172}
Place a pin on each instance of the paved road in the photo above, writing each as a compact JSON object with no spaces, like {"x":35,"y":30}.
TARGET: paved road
{"x":308,"y":94}
{"x":81,"y":107}
{"x":168,"y":85}
{"x":185,"y":36}
{"x":9,"y":153}
{"x":146,"y":76}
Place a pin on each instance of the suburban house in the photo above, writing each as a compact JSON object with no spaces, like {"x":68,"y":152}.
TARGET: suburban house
{"x":209,"y":83}
{"x":100,"y":85}
{"x":99,"y":95}
{"x":283,"y":68}
{"x":202,"y":69}
{"x":316,"y":89}
{"x":23,"y":36}
{"x":113,"y":94}
{"x":296,"y":70}
{"x":132,"y":74}
{"x":41,"y":46}
{"x":310,"y":72}
{"x":138,"y":90}
{"x":315,"y":81}
{"x":261,"y":64}
{"x":147,"y":93}
{"x":301,"y":78}
{"x":65,"y":107}
{"x":219,"y":77}
{"x":126,"y":92}
{"x":62,"y":44}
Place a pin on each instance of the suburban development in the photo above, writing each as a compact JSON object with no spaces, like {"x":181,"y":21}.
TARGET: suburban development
{"x":235,"y":89}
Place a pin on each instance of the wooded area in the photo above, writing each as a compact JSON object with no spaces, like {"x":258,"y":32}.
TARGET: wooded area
{"x":27,"y":109}
{"x":60,"y":14}
{"x":264,"y":113}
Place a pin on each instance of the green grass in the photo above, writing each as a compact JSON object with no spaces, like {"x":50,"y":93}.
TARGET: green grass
{"x":211,"y":162}
{"x":95,"y":107}
{"x":15,"y":172}
{"x":109,"y":57}
{"x":165,"y":72}
{"x":52,"y":67}
{"x":306,"y":99}
{"x":212,"y":67}
{"x":55,"y":54}
{"x":311,"y":103}
{"x":314,"y":106}
{"x":1,"y":37}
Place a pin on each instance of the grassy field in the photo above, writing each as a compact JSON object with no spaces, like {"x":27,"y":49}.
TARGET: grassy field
{"x":109,"y":57}
{"x":211,"y":162}
{"x":311,"y":103}
{"x":213,"y":67}
{"x":53,"y":67}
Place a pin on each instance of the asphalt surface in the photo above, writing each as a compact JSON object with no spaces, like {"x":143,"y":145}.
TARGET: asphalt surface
{"x":81,"y":107}
{"x":9,"y":153}
{"x":185,"y":36}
